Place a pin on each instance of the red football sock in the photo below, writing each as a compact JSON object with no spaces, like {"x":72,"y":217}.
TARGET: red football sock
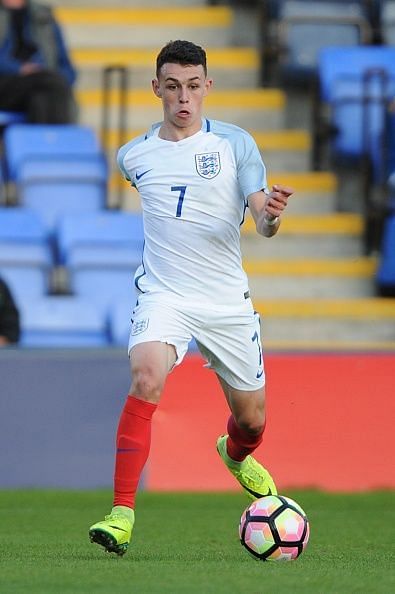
{"x":240,"y":443}
{"x":133,"y":445}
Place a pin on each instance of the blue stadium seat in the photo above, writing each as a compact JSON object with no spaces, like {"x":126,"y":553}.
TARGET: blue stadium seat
{"x":119,"y":321}
{"x":101,"y":237}
{"x":62,"y":321}
{"x":38,"y":142}
{"x":304,"y":30}
{"x":343,"y":62}
{"x":101,"y":251}
{"x":25,"y":254}
{"x":355,"y":87}
{"x":57,"y":169}
{"x":385,"y":276}
{"x":11,"y":117}
{"x":358,"y":114}
{"x":21,"y":225}
{"x":26,"y":282}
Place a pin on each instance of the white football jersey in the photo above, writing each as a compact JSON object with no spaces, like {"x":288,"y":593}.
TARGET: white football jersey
{"x":194,"y":195}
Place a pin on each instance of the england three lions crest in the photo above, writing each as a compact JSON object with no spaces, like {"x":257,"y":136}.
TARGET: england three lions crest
{"x":208,"y":165}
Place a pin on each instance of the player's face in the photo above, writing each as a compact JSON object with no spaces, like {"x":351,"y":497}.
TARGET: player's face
{"x":182,"y":90}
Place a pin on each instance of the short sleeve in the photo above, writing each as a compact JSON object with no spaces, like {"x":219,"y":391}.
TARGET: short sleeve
{"x":251,"y":171}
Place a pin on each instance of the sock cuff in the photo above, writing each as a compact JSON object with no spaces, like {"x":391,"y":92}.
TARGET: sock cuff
{"x":242,"y":437}
{"x":139,"y":408}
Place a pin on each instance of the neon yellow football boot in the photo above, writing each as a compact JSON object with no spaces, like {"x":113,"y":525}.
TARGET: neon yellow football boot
{"x":254,"y":479}
{"x":114,"y":532}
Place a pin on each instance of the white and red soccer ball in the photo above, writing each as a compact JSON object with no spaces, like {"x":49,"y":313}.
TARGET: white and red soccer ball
{"x":274,"y":528}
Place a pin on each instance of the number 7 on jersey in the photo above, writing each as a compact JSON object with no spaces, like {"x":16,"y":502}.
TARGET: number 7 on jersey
{"x":181,"y":190}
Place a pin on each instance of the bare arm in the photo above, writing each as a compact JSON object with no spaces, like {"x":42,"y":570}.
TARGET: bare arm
{"x":266,"y":209}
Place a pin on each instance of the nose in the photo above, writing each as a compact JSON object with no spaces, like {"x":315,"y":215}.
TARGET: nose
{"x":184,"y":95}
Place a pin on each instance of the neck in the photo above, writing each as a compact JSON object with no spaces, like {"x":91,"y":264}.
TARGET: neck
{"x":173,"y":133}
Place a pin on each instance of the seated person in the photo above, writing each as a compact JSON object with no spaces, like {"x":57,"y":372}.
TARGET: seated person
{"x":9,"y":317}
{"x":36,"y":74}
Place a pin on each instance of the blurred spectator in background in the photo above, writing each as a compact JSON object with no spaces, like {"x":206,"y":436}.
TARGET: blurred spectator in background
{"x":36,"y":74}
{"x":9,"y":317}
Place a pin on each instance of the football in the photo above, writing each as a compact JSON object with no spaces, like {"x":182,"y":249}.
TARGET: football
{"x":274,"y":528}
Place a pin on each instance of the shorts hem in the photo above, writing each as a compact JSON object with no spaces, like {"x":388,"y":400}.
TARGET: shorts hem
{"x":245,"y":387}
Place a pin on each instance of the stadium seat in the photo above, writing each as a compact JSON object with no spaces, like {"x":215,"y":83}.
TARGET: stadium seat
{"x":11,"y":117}
{"x":355,"y":86}
{"x":26,"y":282}
{"x":62,"y":321}
{"x":343,"y":62}
{"x":21,"y":225}
{"x":385,"y":276}
{"x":56,"y":169}
{"x":304,"y":30}
{"x":119,"y":321}
{"x":101,"y":251}
{"x":358,"y":114}
{"x":25,"y":254}
{"x":98,"y":235}
{"x":38,"y":142}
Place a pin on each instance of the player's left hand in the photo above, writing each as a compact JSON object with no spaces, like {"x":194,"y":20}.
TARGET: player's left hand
{"x":277,"y":200}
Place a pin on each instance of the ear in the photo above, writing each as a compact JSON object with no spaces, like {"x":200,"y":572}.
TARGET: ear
{"x":208,"y":83}
{"x":156,"y":88}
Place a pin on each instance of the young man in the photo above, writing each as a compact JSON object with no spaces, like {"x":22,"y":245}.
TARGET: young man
{"x":195,"y":177}
{"x":36,"y":74}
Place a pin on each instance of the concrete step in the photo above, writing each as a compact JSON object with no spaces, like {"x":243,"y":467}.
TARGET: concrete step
{"x":248,"y":108}
{"x":306,"y":236}
{"x":230,"y":67}
{"x":305,"y":182}
{"x":301,"y":246}
{"x":369,"y":309}
{"x":363,"y":267}
{"x":312,"y":203}
{"x":331,"y":287}
{"x":126,"y":26}
{"x":328,"y":322}
{"x":311,"y":278}
{"x":284,"y":150}
{"x":327,"y":333}
{"x":320,"y":224}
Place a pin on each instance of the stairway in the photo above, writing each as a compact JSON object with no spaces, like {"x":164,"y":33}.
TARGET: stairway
{"x":311,"y":283}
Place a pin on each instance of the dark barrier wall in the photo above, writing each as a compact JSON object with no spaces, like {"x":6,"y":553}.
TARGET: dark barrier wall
{"x":58,"y":415}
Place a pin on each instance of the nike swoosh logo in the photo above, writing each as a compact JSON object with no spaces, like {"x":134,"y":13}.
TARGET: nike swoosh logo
{"x":259,"y":374}
{"x":118,"y":528}
{"x":257,"y":495}
{"x":141,"y":174}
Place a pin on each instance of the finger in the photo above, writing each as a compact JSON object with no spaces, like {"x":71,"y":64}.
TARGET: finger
{"x":286,"y":190}
{"x":279,"y":200}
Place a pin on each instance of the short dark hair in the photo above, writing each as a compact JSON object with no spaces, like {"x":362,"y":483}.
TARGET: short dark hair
{"x":181,"y":52}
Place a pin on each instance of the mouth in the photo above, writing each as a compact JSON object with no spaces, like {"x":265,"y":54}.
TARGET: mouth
{"x":183,"y":113}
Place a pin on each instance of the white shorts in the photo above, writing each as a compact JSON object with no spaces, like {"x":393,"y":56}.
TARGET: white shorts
{"x":228,"y":338}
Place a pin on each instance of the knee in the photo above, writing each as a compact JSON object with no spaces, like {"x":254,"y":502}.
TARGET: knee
{"x":53,"y":82}
{"x":252,"y":422}
{"x":146,"y":384}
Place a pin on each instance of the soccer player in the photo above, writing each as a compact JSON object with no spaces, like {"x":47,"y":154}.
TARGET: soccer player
{"x":196,"y":177}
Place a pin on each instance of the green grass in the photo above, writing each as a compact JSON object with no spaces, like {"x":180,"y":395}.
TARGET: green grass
{"x":188,"y":544}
